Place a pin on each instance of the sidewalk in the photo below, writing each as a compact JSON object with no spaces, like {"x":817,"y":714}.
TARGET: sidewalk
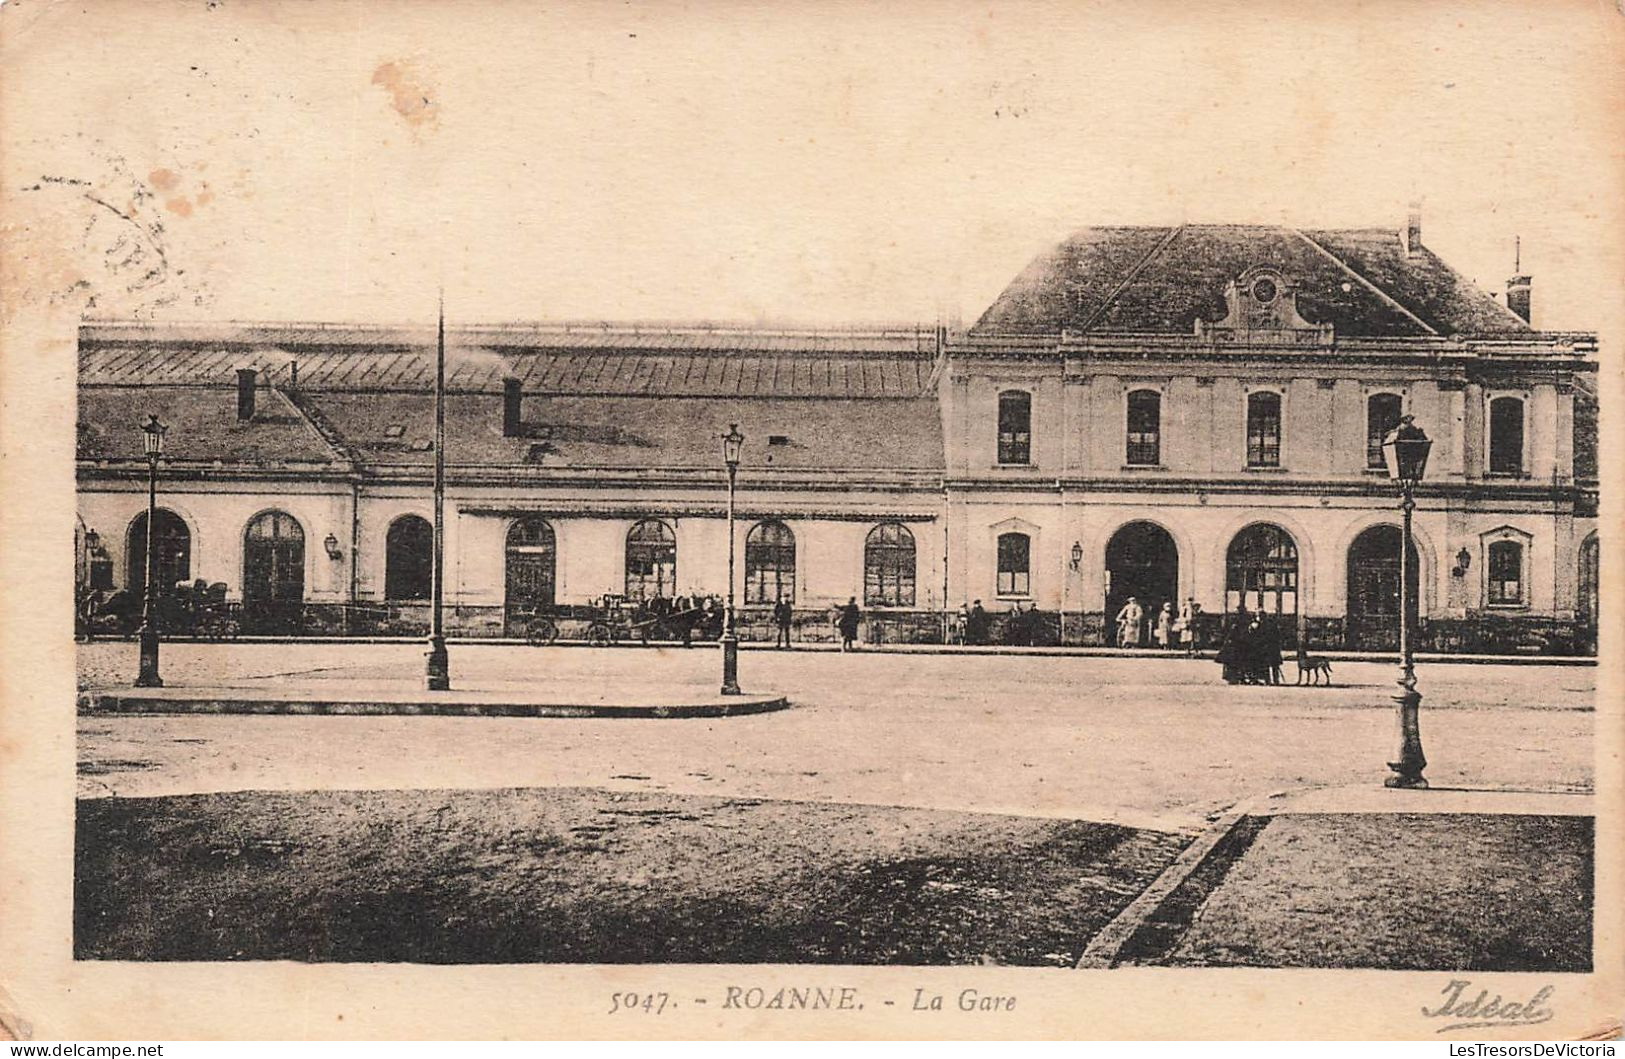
{"x":1367,"y":877}
{"x":1052,"y":651}
{"x":373,"y":698}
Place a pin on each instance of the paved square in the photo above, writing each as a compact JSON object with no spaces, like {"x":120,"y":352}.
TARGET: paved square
{"x":1155,"y":743}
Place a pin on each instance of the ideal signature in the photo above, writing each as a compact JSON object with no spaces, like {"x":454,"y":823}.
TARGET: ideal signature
{"x":1486,"y":1010}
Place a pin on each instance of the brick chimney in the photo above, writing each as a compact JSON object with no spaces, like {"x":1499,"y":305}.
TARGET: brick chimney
{"x":513,"y":397}
{"x":1518,"y":293}
{"x":1413,"y":229}
{"x":245,"y":393}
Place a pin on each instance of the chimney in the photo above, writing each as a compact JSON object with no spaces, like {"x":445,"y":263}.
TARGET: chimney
{"x":513,"y":424}
{"x":1518,"y":294}
{"x":245,"y":394}
{"x":1413,"y":229}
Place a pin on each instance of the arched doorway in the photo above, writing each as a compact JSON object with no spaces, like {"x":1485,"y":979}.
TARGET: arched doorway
{"x":409,"y":559}
{"x":1141,"y":561}
{"x":1373,"y":589}
{"x":172,"y":552}
{"x":1261,"y":576}
{"x":273,"y":573}
{"x":531,"y":562}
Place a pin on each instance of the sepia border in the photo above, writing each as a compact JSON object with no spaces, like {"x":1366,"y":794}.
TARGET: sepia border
{"x":45,"y":994}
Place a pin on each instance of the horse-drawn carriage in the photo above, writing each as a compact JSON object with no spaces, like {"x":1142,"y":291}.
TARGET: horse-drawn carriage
{"x":194,"y":608}
{"x":615,"y":619}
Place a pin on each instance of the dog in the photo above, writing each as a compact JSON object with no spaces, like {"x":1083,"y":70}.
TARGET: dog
{"x":1317,"y":670}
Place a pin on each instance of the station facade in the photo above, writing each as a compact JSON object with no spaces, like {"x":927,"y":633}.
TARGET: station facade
{"x":1165,"y":413}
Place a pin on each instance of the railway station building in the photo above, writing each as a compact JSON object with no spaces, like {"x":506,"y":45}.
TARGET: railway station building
{"x":1169,"y":413}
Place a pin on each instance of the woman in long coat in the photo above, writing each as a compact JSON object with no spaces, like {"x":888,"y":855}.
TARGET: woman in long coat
{"x":1163,"y":630}
{"x":847,"y":622}
{"x":1232,"y":653}
{"x":1130,"y":624}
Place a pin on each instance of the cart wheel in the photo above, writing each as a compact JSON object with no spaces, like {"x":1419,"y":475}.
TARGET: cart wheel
{"x":541,"y":632}
{"x":598,"y":634}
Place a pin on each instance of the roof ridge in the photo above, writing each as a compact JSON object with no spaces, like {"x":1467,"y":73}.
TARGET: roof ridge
{"x":318,"y":423}
{"x":1351,"y":270}
{"x":1138,"y":268}
{"x":1506,"y":310}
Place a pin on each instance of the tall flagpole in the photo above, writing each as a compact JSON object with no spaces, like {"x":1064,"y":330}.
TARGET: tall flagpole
{"x":438,"y":676}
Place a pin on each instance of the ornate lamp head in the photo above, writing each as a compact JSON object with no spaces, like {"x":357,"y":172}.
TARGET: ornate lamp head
{"x":732,"y":442}
{"x":152,"y":436}
{"x":1405,"y":452}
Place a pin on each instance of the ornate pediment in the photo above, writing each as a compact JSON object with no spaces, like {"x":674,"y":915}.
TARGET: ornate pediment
{"x":1262,"y":309}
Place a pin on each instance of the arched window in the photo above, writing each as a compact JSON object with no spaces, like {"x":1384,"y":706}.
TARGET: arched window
{"x":409,"y":559}
{"x":1261,"y":571}
{"x":1264,"y":429}
{"x":1505,"y":574}
{"x":770,"y":563}
{"x":1382,"y":412}
{"x":1144,"y":428}
{"x":1015,"y":568}
{"x":172,"y":552}
{"x":1015,"y":427}
{"x":530,"y":562}
{"x":888,"y":566}
{"x":651,"y":561}
{"x":1506,"y":436}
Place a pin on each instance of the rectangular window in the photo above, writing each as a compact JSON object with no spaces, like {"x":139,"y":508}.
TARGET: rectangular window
{"x":1015,"y":427}
{"x":1014,"y":579}
{"x":1506,"y":436}
{"x":1382,"y":412}
{"x":1506,"y":573}
{"x":1144,"y":428}
{"x":1264,"y":430}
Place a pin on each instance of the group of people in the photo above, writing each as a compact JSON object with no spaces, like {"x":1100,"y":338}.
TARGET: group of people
{"x":1162,"y":625}
{"x":1023,"y":625}
{"x":845,"y":618}
{"x":1252,"y":650}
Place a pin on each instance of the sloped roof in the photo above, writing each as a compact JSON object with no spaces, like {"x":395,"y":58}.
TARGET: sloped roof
{"x":1163,"y":279}
{"x":637,"y":432}
{"x":689,"y":362}
{"x":203,"y":426}
{"x":635,"y":397}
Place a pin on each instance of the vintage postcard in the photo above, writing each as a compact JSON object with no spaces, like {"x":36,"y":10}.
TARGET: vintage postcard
{"x":1076,"y":519}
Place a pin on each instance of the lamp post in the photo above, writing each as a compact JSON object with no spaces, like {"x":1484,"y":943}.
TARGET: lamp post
{"x":1077,"y":568}
{"x":732,"y":442}
{"x":1405,"y":451}
{"x":437,"y":668}
{"x":152,"y":441}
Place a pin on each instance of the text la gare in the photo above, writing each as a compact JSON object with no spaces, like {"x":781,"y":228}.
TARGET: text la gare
{"x":968,"y":1000}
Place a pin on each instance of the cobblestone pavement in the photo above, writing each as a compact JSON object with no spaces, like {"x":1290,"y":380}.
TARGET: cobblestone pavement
{"x":1144,"y":742}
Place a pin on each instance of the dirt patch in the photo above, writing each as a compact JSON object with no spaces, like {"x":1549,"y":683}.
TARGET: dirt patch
{"x":578,"y":875}
{"x":1434,"y":891}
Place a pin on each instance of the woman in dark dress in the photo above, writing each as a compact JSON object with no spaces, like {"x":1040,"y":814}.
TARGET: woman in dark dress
{"x":847,"y":622}
{"x":1233,"y":653}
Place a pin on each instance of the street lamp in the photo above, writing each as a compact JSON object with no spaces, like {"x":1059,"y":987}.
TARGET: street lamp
{"x":437,"y":663}
{"x":732,"y":442}
{"x":1405,"y":452}
{"x":152,"y":442}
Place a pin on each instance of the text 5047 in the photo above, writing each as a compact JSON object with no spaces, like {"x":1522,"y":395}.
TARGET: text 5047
{"x":651,"y":1003}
